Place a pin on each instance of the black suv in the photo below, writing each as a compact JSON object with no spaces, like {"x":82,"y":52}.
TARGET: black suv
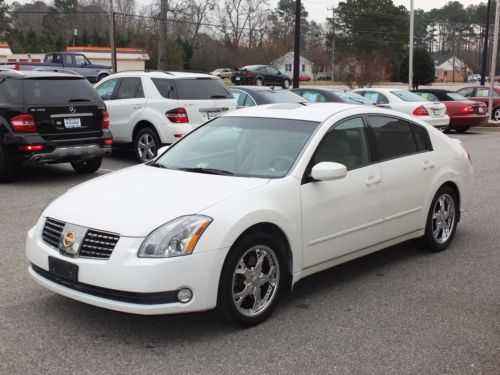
{"x":48,"y":117}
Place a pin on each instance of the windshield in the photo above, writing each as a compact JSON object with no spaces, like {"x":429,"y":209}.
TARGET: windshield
{"x":200,"y":89}
{"x":352,"y":98}
{"x":241,"y":146}
{"x":407,"y":96}
{"x":281,"y":96}
{"x":46,"y":91}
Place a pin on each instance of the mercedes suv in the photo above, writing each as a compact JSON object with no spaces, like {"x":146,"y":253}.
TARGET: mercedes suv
{"x":48,"y":117}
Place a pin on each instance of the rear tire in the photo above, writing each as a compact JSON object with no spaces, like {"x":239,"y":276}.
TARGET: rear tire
{"x":462,"y":129}
{"x":253,"y":269}
{"x":259,"y":82}
{"x":146,"y":144}
{"x":88,"y":166}
{"x":441,"y":222}
{"x":6,"y":169}
{"x":496,"y":114}
{"x":286,"y":84}
{"x":101,"y":77}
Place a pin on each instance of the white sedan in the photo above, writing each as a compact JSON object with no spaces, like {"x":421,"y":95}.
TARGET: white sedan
{"x":433,"y":113}
{"x":245,"y":206}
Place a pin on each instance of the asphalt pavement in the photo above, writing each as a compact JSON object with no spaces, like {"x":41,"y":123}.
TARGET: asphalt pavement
{"x":399,"y":311}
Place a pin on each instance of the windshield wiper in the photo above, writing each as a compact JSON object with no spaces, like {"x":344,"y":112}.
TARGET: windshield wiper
{"x":218,"y":97}
{"x":157,"y":165}
{"x":208,"y":171}
{"x":78,"y":100}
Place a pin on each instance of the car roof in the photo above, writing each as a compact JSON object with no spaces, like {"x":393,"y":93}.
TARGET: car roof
{"x":323,"y":89}
{"x":22,"y":74}
{"x":433,"y":91}
{"x":382,"y":89}
{"x":161,"y":74}
{"x":255,"y":88}
{"x":297,"y":111}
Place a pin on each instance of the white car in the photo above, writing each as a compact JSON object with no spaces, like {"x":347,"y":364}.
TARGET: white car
{"x":246,"y":205}
{"x":433,"y":113}
{"x":150,"y":109}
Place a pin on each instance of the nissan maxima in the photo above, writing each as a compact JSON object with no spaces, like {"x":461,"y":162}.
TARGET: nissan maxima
{"x":245,"y":206}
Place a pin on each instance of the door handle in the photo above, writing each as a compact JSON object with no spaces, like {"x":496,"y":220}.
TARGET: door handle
{"x":373,"y":180}
{"x":137,"y":107}
{"x":428,"y":164}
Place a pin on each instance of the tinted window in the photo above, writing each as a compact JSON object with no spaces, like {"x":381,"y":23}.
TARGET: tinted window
{"x":407,"y":96}
{"x":201,"y":89}
{"x":375,"y":97}
{"x":280,"y":96}
{"x":420,"y":137}
{"x":240,"y":97}
{"x":68,"y":60}
{"x":313,"y":96}
{"x":80,"y":60}
{"x":484,"y":93}
{"x":55,"y":91}
{"x":428,"y":96}
{"x":165,"y":87}
{"x":130,"y":88}
{"x":10,"y":91}
{"x":346,"y":144}
{"x":249,"y":102}
{"x":467,"y":91}
{"x":393,"y":137}
{"x":242,"y":146}
{"x":105,"y":90}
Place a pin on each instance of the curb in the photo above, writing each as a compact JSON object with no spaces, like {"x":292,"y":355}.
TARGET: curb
{"x":487,"y":129}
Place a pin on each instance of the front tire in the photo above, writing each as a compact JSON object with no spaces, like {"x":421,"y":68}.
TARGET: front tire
{"x":496,"y":114}
{"x":146,"y":144}
{"x":251,"y":281}
{"x":259,"y":82}
{"x":286,"y":84}
{"x":88,"y":166}
{"x":442,"y":221}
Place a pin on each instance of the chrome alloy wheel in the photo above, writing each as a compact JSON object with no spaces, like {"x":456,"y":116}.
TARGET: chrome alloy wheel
{"x":146,"y":147}
{"x":496,"y":114}
{"x":255,"y":280}
{"x":443,"y":218}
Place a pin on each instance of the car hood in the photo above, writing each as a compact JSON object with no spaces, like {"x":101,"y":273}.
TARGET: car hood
{"x":136,"y":200}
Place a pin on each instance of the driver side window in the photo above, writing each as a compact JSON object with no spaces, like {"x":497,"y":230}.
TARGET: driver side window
{"x":346,"y":143}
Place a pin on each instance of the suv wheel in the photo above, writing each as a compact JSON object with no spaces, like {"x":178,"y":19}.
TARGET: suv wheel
{"x":88,"y":166}
{"x":146,"y":144}
{"x":286,"y":84}
{"x":6,"y":169}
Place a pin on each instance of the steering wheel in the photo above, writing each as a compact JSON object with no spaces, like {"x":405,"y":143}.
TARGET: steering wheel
{"x":275,"y":163}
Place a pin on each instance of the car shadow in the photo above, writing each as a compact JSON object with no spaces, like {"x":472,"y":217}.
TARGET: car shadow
{"x":45,"y":175}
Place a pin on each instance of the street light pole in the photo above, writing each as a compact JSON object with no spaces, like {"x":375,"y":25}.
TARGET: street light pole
{"x":485,"y":45}
{"x":333,"y":40}
{"x":112,"y":36}
{"x":494,"y":60}
{"x":296,"y":50}
{"x":410,"y":59}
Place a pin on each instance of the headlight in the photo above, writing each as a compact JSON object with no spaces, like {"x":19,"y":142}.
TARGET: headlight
{"x":177,"y":237}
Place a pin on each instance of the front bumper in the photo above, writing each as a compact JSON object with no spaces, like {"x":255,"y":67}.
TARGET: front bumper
{"x":130,"y":284}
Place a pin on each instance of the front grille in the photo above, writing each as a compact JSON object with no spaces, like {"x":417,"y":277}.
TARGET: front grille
{"x":98,"y":244}
{"x":52,"y":232}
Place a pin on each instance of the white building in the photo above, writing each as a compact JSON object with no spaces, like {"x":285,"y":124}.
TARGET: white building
{"x":306,"y":67}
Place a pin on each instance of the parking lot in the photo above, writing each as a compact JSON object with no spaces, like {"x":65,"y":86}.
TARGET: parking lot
{"x":398,"y":311}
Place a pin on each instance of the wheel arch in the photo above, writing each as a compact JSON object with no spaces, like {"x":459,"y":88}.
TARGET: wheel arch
{"x":142,"y":124}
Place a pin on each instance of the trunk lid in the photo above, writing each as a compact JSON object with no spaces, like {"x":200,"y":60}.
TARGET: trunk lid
{"x":435,"y":109}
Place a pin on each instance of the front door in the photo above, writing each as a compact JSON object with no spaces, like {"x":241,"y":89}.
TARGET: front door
{"x":345,"y":215}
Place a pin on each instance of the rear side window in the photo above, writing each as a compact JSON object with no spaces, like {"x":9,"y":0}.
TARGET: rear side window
{"x":407,"y":96}
{"x":165,"y":87}
{"x":130,"y":88}
{"x":466,"y":91}
{"x":421,"y":137}
{"x":393,"y":137}
{"x":281,"y":96}
{"x":58,"y":91}
{"x":11,"y":91}
{"x":313,"y":96}
{"x":201,"y":89}
{"x":429,"y":96}
{"x":240,"y":97}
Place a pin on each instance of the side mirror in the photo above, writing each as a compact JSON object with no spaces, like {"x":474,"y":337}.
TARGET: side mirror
{"x":326,"y":171}
{"x":387,"y":106}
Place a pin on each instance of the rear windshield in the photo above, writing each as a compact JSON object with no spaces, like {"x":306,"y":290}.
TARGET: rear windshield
{"x":281,"y":96}
{"x":10,"y":91}
{"x":455,"y":96}
{"x":352,"y":98}
{"x":58,"y":91}
{"x":407,"y":96}
{"x":201,"y":89}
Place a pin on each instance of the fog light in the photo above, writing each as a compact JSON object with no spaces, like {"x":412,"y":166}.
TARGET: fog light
{"x":184,"y":295}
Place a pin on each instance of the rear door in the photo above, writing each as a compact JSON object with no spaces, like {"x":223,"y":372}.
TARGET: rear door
{"x":126,"y":107}
{"x":203,"y":98}
{"x":64,"y":108}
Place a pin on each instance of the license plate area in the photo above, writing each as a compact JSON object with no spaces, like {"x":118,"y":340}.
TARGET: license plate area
{"x":72,"y":123}
{"x":63,"y":269}
{"x":213,"y":114}
{"x":237,"y":78}
{"x":481,"y":110}
{"x":437,"y":112}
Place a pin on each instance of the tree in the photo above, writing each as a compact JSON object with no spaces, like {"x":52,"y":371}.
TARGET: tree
{"x":423,"y":68}
{"x":4,"y":20}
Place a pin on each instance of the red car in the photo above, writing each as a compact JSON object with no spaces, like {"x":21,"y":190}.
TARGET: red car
{"x":463,"y":113}
{"x":481,"y":94}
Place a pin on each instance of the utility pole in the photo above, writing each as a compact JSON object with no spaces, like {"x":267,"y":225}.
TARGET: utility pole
{"x":410,"y":59}
{"x":296,"y":50}
{"x":162,"y":40}
{"x":494,"y":60}
{"x":112,"y":35}
{"x":485,"y":45}
{"x":333,"y":40}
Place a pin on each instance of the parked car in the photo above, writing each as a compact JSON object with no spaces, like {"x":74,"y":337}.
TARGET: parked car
{"x":48,"y":117}
{"x":331,"y":95}
{"x":248,"y":96}
{"x":434,"y":113}
{"x":482,"y":94}
{"x":304,"y":78}
{"x":260,"y":75}
{"x":245,"y":206}
{"x":474,"y":78}
{"x":150,"y":109}
{"x":463,"y":113}
{"x":222,"y":73}
{"x":65,"y":62}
